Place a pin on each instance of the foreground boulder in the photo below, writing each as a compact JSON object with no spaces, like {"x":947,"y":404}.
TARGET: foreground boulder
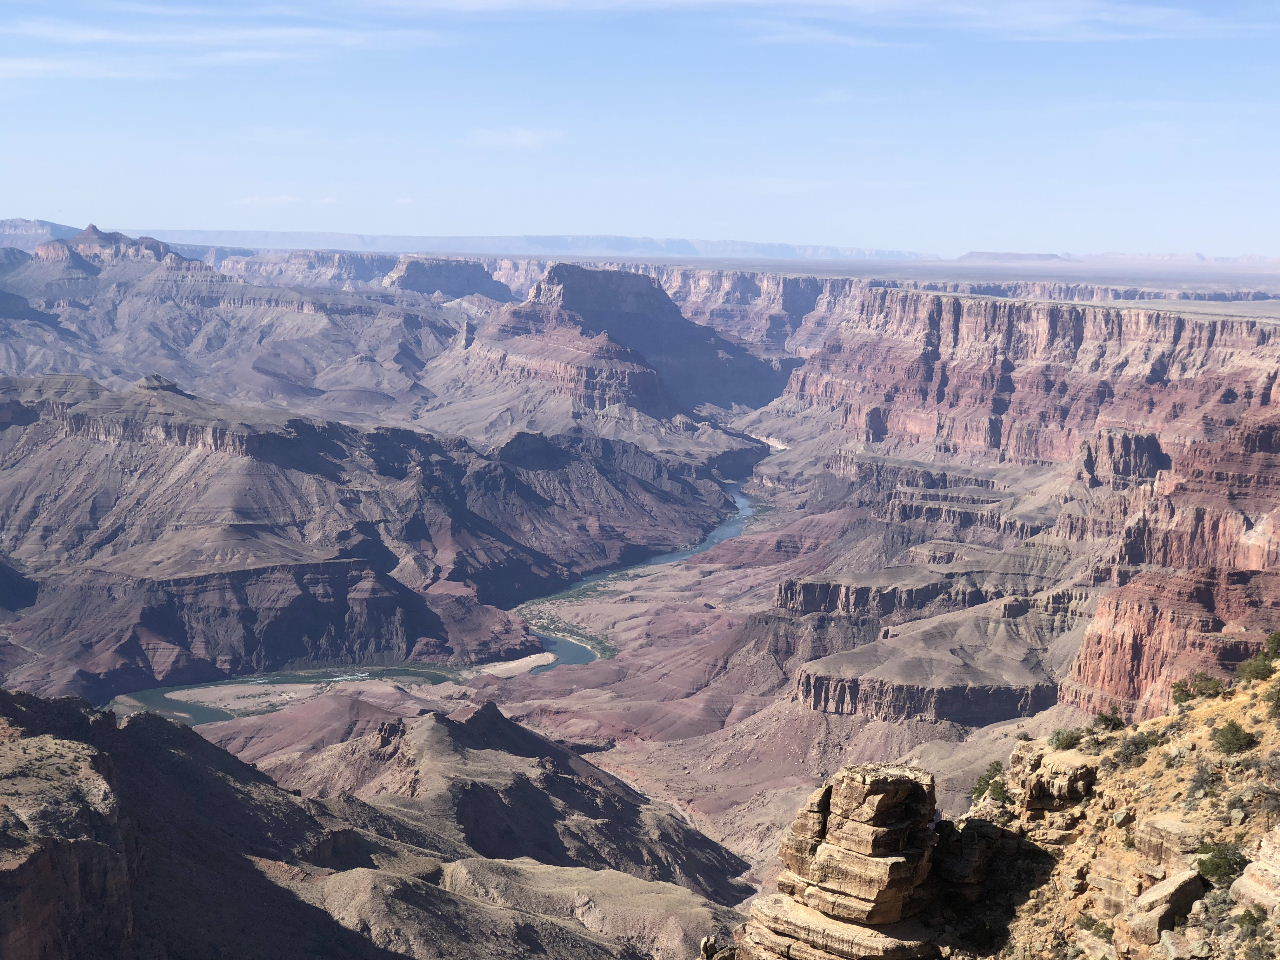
{"x":855,"y":860}
{"x":1259,"y":885}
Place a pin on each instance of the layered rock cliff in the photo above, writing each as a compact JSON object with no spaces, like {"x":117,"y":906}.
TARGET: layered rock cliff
{"x":792,"y":312}
{"x":1155,"y":427}
{"x":1194,"y":563}
{"x":604,"y":351}
{"x":1022,"y":381}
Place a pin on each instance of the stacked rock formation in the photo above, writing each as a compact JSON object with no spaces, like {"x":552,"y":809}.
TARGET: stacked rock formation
{"x":855,"y":859}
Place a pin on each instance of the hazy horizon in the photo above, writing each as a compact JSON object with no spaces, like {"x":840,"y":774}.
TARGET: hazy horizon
{"x":286,"y":239}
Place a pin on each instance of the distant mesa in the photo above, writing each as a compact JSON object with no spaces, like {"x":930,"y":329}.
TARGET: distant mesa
{"x":452,"y":279}
{"x":994,"y":256}
{"x":29,"y":234}
{"x":567,"y":245}
{"x":106,"y":245}
{"x":155,"y":381}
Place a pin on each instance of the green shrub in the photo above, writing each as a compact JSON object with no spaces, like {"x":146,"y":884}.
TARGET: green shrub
{"x":1095,"y":926}
{"x":1110,"y":721}
{"x":1221,"y":863}
{"x":1206,"y":779}
{"x":1252,"y":917}
{"x":1259,"y":667}
{"x":1233,"y":738}
{"x":1133,"y":750}
{"x":1197,"y":685}
{"x":992,"y":782}
{"x":1272,"y":647}
{"x":1272,"y":700}
{"x":1250,"y":920}
{"x":1066,"y":739}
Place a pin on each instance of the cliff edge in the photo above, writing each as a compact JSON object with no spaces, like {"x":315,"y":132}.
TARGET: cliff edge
{"x":1113,"y":842}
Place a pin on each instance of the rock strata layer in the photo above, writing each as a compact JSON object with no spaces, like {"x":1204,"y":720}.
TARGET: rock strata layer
{"x":855,"y":859}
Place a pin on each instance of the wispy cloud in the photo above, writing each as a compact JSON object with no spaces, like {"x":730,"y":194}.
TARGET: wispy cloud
{"x":782,"y":186}
{"x":283,"y":200}
{"x":219,"y":10}
{"x":128,"y":39}
{"x":262,"y":55}
{"x":79,"y":34}
{"x":513,"y":138}
{"x":72,"y":68}
{"x":1067,"y":20}
{"x":150,"y":38}
{"x":803,"y":32}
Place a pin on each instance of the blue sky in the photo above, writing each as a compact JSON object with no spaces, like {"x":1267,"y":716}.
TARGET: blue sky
{"x":934,"y":125}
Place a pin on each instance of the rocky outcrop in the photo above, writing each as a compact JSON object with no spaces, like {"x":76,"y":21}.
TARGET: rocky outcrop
{"x":1119,"y":459}
{"x":952,"y":512}
{"x":882,"y":474}
{"x":100,"y":246}
{"x":1048,"y":782}
{"x":882,"y":601}
{"x":593,"y":373}
{"x":968,"y":704}
{"x":1160,"y":841}
{"x":1259,"y":885}
{"x":697,"y":365}
{"x":855,"y":860}
{"x":507,"y":794}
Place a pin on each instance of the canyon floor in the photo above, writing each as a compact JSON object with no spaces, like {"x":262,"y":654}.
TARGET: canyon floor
{"x":488,"y":579}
